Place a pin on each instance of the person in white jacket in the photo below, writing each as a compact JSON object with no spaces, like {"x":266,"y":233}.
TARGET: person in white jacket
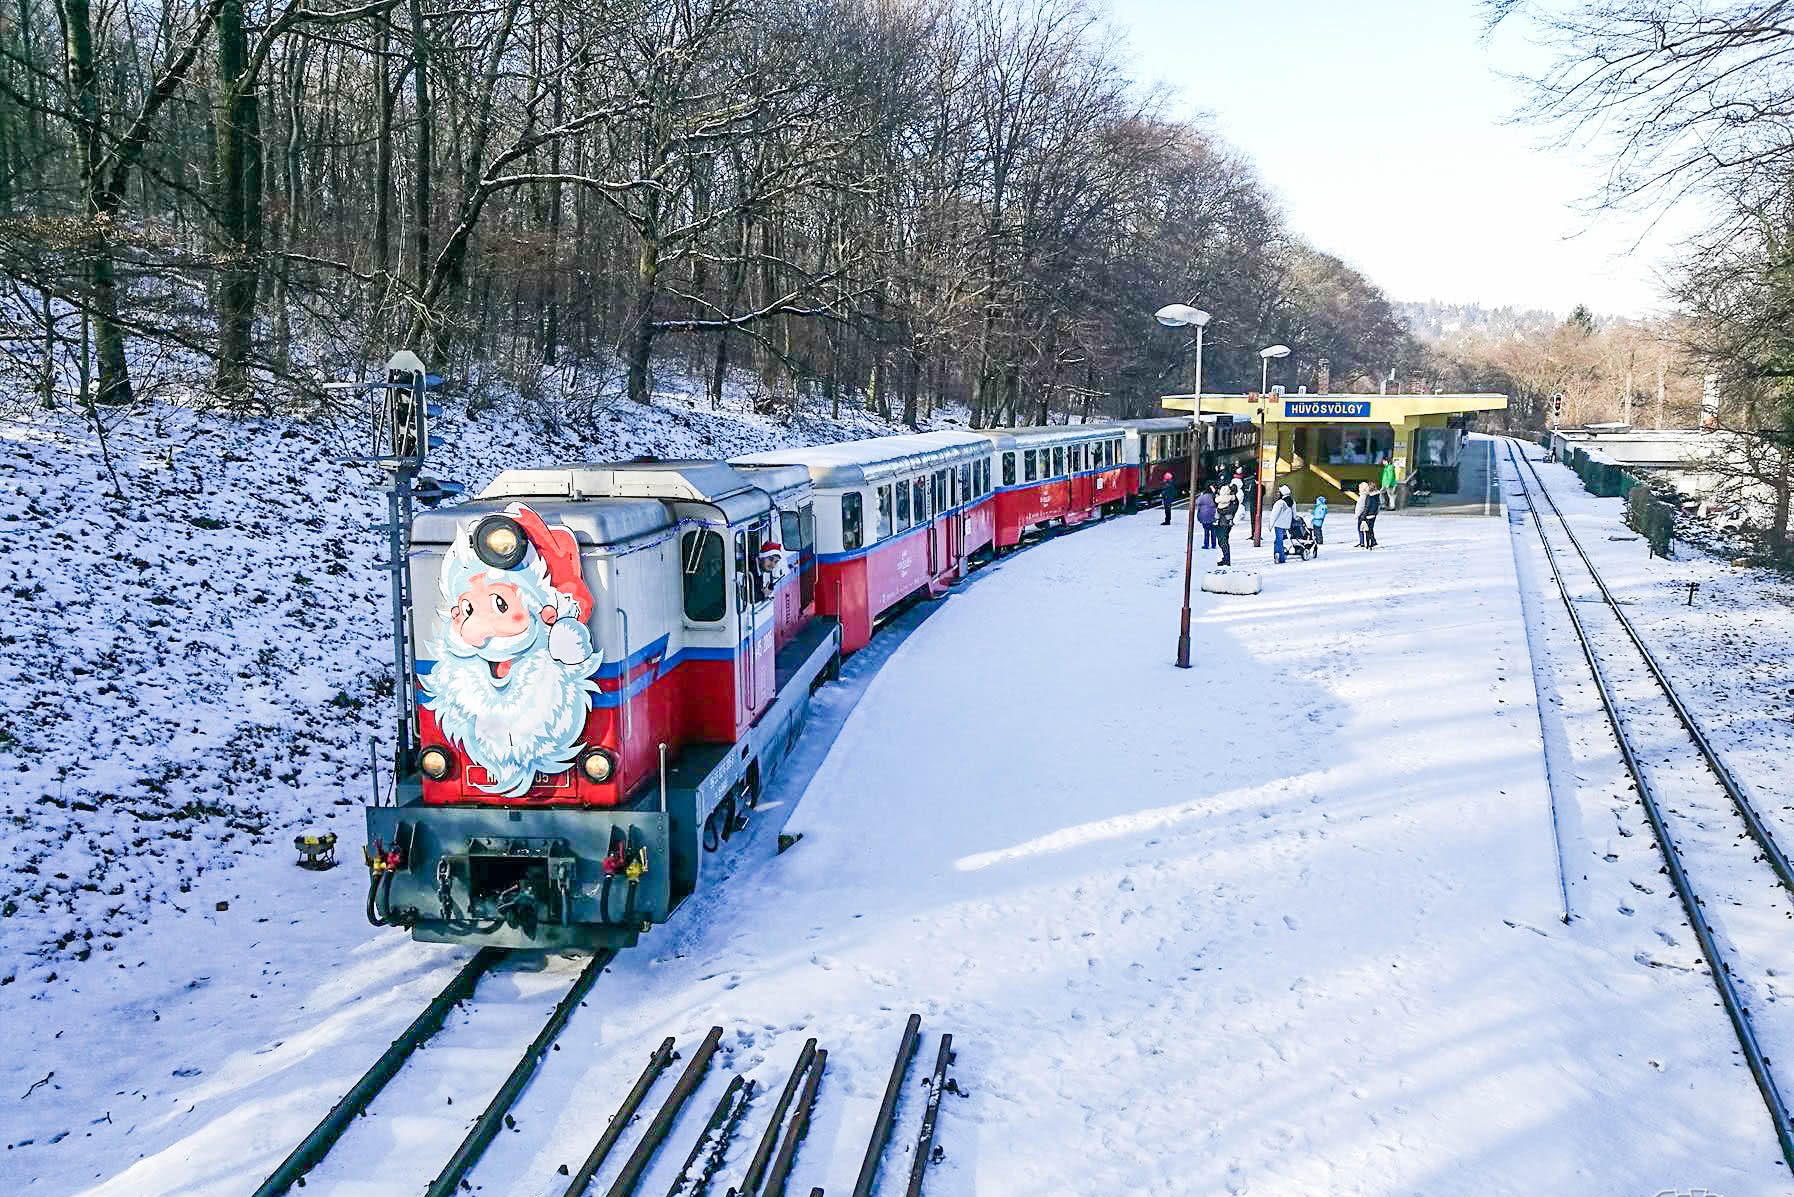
{"x":1283,"y":516}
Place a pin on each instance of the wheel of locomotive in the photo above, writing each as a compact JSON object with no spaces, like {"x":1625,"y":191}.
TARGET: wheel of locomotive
{"x":713,"y":835}
{"x":724,"y":817}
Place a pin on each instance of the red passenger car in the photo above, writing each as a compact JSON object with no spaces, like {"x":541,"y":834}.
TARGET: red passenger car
{"x":1068,"y":473}
{"x":894,"y":515}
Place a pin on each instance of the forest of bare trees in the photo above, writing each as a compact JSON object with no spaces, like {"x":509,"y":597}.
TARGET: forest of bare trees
{"x":896,"y":202}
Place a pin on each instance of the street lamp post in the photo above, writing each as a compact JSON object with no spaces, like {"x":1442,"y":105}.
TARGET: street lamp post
{"x":1258,"y":451}
{"x":1179,"y":315}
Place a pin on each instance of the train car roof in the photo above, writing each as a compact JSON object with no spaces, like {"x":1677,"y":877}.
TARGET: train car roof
{"x":857,"y":463}
{"x":1156,"y":424}
{"x":592,"y":521}
{"x":780,"y":480}
{"x":1052,"y":434}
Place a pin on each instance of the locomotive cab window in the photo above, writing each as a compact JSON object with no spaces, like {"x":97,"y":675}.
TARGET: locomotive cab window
{"x":852,"y":531}
{"x":701,"y":555}
{"x":756,"y":578}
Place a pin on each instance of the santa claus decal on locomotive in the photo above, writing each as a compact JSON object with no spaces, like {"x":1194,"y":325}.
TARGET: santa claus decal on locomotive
{"x":513,"y":671}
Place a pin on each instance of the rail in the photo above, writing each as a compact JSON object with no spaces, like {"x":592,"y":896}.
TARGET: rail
{"x":1735,"y":1009}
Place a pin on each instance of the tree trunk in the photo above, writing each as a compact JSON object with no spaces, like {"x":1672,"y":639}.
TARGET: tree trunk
{"x":640,"y":345}
{"x":237,"y":197}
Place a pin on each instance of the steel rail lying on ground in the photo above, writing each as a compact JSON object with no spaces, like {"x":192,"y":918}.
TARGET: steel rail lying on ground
{"x":316,"y":1145}
{"x":1735,"y":1009}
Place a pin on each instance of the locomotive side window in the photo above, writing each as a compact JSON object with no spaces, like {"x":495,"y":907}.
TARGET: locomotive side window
{"x":702,"y":557}
{"x":741,"y":571}
{"x":1009,"y":469}
{"x":757,"y":588}
{"x":791,"y":535}
{"x":884,"y":512}
{"x":1028,"y":474}
{"x":902,"y":506}
{"x":853,"y":534}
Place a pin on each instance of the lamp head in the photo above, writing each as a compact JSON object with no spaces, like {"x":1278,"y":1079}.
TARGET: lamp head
{"x":1274,"y":351}
{"x":1181,"y":315}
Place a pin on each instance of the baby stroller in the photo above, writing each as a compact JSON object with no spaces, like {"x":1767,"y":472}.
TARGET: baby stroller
{"x":1300,"y":540}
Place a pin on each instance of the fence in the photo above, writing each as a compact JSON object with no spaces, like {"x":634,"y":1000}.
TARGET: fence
{"x":1650,"y":517}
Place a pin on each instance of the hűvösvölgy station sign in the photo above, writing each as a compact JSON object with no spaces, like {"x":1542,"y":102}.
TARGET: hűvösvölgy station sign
{"x":1326,"y":409}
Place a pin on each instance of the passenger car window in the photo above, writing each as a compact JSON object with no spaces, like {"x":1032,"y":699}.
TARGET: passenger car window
{"x":884,"y":512}
{"x":852,"y":532}
{"x":902,"y":506}
{"x":1008,"y":469}
{"x":919,"y":499}
{"x":1028,"y":474}
{"x":1058,"y":462}
{"x":701,"y":556}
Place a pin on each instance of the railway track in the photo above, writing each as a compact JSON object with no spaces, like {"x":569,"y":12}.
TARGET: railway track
{"x":317,"y":1145}
{"x":1732,"y":878}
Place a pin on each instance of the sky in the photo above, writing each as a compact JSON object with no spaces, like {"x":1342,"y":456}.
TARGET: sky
{"x":1384,"y":128}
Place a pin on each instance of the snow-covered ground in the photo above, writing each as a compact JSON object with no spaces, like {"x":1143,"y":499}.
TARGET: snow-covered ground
{"x":192,"y":673}
{"x":1286,"y":923}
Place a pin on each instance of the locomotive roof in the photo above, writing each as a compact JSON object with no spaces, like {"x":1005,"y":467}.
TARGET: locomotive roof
{"x":1055,"y":434}
{"x":856,"y":463}
{"x":713,"y":482}
{"x":592,"y":521}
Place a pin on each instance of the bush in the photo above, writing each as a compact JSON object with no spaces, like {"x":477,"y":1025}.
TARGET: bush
{"x":1650,"y":518}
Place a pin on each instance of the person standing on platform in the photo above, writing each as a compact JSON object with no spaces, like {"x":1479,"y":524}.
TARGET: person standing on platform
{"x":1167,"y":493}
{"x":1388,"y":482}
{"x":1227,"y":508}
{"x":1205,"y":515}
{"x":1316,"y":519}
{"x":1283,"y":518}
{"x":1366,"y":513}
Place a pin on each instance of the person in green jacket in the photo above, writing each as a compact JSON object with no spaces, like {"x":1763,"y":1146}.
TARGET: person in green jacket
{"x":1389,"y":482}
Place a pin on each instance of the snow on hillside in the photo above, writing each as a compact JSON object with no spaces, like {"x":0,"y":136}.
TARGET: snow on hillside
{"x":194,"y":671}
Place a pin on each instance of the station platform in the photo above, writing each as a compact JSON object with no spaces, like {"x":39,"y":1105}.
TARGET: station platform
{"x":1479,"y":485}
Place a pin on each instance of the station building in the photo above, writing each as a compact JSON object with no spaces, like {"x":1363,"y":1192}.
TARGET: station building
{"x":1329,"y":443}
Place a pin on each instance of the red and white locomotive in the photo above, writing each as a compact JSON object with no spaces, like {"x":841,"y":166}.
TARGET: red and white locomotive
{"x":611,"y":660}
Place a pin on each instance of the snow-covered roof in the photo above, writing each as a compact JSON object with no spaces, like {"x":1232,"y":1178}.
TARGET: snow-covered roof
{"x":857,"y":463}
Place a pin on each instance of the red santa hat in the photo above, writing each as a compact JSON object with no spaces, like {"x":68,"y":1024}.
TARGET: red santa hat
{"x":559,"y":553}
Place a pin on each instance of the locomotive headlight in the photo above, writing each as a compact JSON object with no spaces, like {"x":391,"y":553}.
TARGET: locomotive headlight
{"x":597,"y":765}
{"x":435,"y":762}
{"x":498,"y":540}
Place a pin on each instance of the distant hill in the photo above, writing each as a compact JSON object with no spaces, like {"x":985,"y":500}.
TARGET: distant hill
{"x":1432,"y":320}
